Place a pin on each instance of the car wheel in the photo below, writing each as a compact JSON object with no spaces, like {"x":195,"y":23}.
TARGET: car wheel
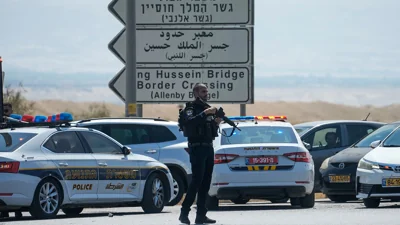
{"x":341,"y":198}
{"x":283,"y":200}
{"x":46,"y":200}
{"x":372,"y":202}
{"x":178,"y":189}
{"x":154,"y":194}
{"x":240,"y":201}
{"x":72,"y":211}
{"x":308,"y":201}
{"x":212,"y":202}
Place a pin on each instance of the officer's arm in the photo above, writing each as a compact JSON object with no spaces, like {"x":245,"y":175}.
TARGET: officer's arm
{"x":191,"y":118}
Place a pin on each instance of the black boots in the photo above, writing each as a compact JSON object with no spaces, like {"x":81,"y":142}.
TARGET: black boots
{"x":204,"y":220}
{"x":184,"y":218}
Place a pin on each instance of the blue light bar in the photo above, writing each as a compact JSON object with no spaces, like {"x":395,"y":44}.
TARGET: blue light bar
{"x":40,"y":119}
{"x":65,"y":116}
{"x":16,"y":116}
{"x":241,"y":118}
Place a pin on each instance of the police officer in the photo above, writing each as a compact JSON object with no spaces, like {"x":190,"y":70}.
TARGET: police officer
{"x":199,"y":125}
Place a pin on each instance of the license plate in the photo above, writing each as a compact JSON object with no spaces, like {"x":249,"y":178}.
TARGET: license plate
{"x":391,"y":182}
{"x":339,"y":179}
{"x":262,"y":160}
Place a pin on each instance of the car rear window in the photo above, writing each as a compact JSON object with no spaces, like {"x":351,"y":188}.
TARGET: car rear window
{"x":10,"y":142}
{"x":259,"y":134}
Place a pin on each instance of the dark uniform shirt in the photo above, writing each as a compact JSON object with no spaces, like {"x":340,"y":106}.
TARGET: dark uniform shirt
{"x":197,"y":119}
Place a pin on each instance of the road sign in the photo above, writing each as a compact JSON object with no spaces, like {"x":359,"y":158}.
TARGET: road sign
{"x":187,"y":12}
{"x":188,"y":46}
{"x":174,"y":85}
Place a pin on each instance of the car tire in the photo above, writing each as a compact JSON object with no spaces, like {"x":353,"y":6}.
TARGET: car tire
{"x":154,"y":194}
{"x":53,"y":193}
{"x":178,"y":182}
{"x":283,"y":200}
{"x":212,"y":202}
{"x":240,"y":201}
{"x":372,"y":202}
{"x":72,"y":211}
{"x":308,"y":201}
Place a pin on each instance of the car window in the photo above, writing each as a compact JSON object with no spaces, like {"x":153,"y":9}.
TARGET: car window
{"x":325,"y":138}
{"x":358,"y":131}
{"x":160,"y":134}
{"x":128,"y":134}
{"x":64,"y":142}
{"x":393,"y":140}
{"x":259,"y":134}
{"x":10,"y":142}
{"x":378,"y":134}
{"x":99,"y":144}
{"x":301,"y":130}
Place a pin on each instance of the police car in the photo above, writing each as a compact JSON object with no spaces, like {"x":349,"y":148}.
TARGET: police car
{"x":265,"y":159}
{"x":46,"y":166}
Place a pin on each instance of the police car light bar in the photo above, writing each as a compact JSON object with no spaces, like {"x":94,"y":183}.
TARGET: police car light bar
{"x":26,"y":120}
{"x":244,"y":118}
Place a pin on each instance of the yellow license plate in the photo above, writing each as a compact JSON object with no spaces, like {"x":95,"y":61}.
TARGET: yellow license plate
{"x":391,"y":182}
{"x":339,"y":179}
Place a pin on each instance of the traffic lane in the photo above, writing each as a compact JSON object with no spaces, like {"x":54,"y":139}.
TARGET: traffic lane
{"x":324,"y":212}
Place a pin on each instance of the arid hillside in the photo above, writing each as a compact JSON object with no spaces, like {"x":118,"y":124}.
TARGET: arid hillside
{"x":295,"y":111}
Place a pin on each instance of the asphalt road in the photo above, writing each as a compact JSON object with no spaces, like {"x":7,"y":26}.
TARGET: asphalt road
{"x":324,"y":212}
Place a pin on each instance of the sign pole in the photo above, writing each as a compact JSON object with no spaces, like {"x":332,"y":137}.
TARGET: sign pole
{"x":130,"y":83}
{"x":1,"y":92}
{"x":242,"y":109}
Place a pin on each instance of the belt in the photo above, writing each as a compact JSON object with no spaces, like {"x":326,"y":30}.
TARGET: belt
{"x":206,"y":144}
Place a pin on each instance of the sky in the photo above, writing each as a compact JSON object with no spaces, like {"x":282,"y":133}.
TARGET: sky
{"x":352,"y":47}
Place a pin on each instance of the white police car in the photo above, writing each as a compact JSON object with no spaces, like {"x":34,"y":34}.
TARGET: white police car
{"x":45,"y":168}
{"x":264,"y":160}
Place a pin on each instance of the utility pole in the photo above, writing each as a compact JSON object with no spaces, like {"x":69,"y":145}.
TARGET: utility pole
{"x":2,"y":90}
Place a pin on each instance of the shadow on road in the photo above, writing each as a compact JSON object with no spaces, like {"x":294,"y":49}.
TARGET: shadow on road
{"x":82,"y":215}
{"x":256,"y":207}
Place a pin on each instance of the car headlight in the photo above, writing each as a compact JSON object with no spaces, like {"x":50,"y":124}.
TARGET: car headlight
{"x":325,"y":164}
{"x":362,"y":164}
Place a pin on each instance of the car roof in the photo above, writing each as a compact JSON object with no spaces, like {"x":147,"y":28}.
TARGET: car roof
{"x":323,"y":122}
{"x":136,"y":120}
{"x":40,"y":129}
{"x":251,"y":123}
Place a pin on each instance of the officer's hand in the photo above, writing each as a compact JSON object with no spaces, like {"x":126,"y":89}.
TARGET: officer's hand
{"x":211,"y":110}
{"x":218,"y":120}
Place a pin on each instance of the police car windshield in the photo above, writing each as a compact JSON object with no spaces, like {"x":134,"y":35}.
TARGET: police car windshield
{"x":378,"y":134}
{"x":258,"y":134}
{"x":10,"y":142}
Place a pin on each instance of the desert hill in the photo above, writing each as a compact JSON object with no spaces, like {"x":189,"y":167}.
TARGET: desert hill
{"x":295,"y":111}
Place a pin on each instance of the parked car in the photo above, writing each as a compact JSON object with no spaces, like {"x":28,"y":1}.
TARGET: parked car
{"x":264,"y":160}
{"x":153,"y":137}
{"x":378,"y":171}
{"x":47,"y":168}
{"x":326,"y":138}
{"x":338,"y":173}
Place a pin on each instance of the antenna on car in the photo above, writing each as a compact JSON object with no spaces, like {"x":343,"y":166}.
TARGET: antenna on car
{"x":366,"y":117}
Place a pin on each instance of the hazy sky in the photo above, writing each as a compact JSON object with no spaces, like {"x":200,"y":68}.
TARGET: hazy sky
{"x":292,"y":37}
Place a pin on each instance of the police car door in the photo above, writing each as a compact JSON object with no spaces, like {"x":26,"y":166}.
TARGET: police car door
{"x":118,"y":174}
{"x":78,"y":168}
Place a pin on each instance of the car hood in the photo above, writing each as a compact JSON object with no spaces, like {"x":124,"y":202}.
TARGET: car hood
{"x":384,"y":155}
{"x":350,"y":155}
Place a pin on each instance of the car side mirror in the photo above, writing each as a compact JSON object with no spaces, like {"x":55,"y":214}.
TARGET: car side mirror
{"x":375,"y":144}
{"x":126,"y":150}
{"x":308,"y":146}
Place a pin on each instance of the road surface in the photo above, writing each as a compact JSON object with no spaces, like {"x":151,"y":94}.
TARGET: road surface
{"x":324,"y":212}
